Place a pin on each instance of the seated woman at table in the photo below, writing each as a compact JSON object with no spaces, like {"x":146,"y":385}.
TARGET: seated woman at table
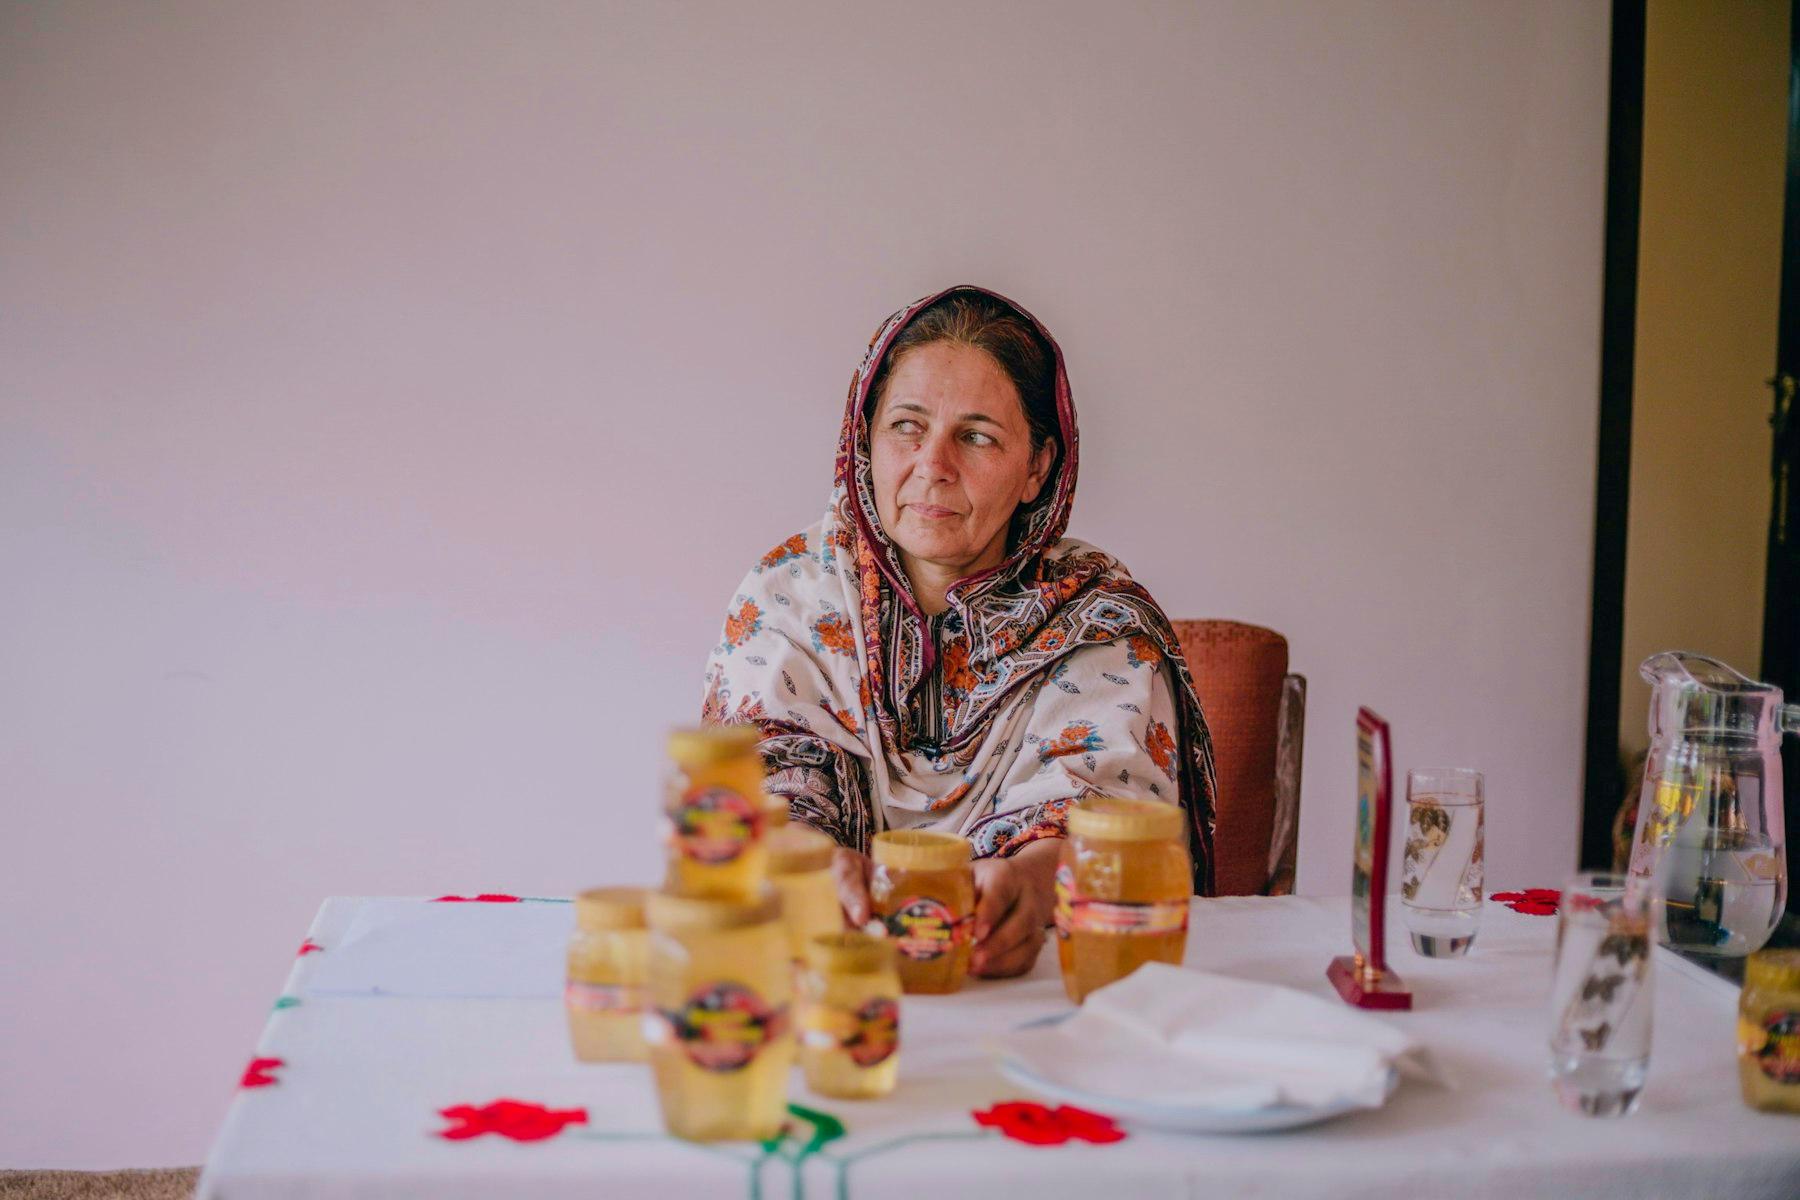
{"x":934,"y":654}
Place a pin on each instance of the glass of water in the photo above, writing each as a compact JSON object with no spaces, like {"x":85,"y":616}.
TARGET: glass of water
{"x":1600,"y":995}
{"x":1440,"y":875}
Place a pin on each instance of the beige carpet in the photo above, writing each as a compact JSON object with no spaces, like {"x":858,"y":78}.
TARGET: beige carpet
{"x":169,"y":1183}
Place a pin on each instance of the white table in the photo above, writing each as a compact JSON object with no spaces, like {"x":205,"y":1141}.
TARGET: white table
{"x":412,"y":1006}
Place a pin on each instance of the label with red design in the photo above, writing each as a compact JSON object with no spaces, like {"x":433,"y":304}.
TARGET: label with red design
{"x":869,"y":1035}
{"x":615,"y":998}
{"x":1775,"y":1046}
{"x":1077,"y":913}
{"x":924,"y":929}
{"x":713,"y":825}
{"x":723,"y":1027}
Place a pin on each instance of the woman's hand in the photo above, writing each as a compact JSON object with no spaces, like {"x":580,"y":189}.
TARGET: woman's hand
{"x":1014,"y":900}
{"x":852,"y":873}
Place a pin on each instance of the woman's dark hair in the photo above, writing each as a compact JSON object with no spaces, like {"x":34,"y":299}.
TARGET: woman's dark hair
{"x":1007,"y":335}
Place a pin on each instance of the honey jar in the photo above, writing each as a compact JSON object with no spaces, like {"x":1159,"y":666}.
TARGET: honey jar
{"x":1769,"y":1031}
{"x":848,"y":1015}
{"x":716,"y":811}
{"x":721,"y":1042}
{"x":923,"y":890}
{"x":609,"y":957}
{"x":800,"y":869}
{"x":1122,"y":890}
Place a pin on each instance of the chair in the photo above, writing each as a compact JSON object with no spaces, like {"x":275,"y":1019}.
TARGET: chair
{"x":1257,"y":714}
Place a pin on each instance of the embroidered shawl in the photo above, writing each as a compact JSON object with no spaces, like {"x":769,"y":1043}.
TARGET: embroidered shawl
{"x":1051,"y":676}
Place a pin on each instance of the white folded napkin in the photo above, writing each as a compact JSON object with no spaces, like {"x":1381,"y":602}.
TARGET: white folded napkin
{"x":1167,"y":1035}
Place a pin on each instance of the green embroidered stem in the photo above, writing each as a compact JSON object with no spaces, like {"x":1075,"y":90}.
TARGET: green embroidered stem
{"x":285,"y":1002}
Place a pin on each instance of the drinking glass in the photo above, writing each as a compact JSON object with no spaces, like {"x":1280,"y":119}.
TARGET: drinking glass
{"x":1600,"y":995}
{"x":1440,"y":875}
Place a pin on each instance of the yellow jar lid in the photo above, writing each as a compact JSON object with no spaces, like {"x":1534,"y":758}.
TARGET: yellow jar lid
{"x":796,"y":848}
{"x":1118,"y":819}
{"x":921,"y":850}
{"x":610,"y":908}
{"x":1778,"y":970}
{"x":703,"y":745}
{"x":852,"y":951}
{"x":683,"y":912}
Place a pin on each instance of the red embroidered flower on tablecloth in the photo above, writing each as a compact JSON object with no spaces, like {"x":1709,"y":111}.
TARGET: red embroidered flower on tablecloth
{"x":257,"y":1074}
{"x":1036,"y":1125}
{"x":516,"y":1119}
{"x":1533,"y":902}
{"x":308,"y":947}
{"x":484,"y":898}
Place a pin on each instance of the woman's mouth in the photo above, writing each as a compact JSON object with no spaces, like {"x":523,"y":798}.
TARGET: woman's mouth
{"x":933,"y":512}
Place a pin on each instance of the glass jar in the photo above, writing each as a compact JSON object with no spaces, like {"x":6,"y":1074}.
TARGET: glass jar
{"x":609,"y":958}
{"x":800,"y":869}
{"x":849,"y":1015}
{"x":1122,"y":890}
{"x":721,"y":1043}
{"x":923,"y":889}
{"x":1769,"y":1031}
{"x":716,"y":812}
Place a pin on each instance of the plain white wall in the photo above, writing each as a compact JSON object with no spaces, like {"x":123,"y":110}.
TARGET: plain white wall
{"x":393,"y":394}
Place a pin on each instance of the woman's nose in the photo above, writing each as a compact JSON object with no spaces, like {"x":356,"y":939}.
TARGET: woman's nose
{"x":937,"y":458}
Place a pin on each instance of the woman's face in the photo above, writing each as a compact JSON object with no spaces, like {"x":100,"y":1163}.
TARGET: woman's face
{"x":952,"y":458}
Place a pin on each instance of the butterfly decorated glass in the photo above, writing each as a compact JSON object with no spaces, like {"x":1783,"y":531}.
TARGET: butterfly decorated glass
{"x":1441,"y":870}
{"x":1600,"y":995}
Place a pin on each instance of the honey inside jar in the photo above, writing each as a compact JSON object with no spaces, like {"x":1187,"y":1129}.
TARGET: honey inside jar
{"x":716,"y":812}
{"x":720,"y":1033}
{"x":923,"y":890}
{"x":1769,"y":1031}
{"x":1122,"y":891}
{"x":849,"y":1015}
{"x":800,"y":869}
{"x":609,"y":958}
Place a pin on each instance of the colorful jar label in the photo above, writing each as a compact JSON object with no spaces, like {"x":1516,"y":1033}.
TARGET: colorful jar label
{"x":1774,"y":1045}
{"x":714,"y":825}
{"x":722,"y":1027}
{"x":924,"y":929}
{"x":615,"y":998}
{"x":869,"y":1035}
{"x":1077,"y":913}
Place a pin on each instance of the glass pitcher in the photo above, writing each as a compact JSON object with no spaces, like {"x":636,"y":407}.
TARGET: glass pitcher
{"x":1709,"y":834}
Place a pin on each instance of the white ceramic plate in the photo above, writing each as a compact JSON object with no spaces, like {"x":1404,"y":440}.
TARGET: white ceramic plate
{"x":1180,"y":1118}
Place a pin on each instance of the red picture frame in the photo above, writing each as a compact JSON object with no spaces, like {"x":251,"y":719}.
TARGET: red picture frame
{"x":1364,"y":979}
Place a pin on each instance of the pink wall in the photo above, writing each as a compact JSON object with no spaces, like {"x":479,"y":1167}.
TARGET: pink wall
{"x":391,"y":395}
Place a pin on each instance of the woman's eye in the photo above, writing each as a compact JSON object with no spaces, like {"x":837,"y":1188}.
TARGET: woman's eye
{"x":905,"y":426}
{"x":976,"y":437}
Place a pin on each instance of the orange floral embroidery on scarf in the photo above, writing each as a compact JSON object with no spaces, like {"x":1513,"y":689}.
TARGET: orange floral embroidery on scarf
{"x":740,"y":625}
{"x":1161,"y":745}
{"x":1077,"y":737}
{"x":957,"y":672}
{"x":831,"y":632}
{"x":847,"y":719}
{"x":1142,"y":649}
{"x":953,"y":799}
{"x":1050,"y":639}
{"x":794,"y":547}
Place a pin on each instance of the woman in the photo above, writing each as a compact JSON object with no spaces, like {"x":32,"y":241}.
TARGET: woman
{"x":935,"y":654}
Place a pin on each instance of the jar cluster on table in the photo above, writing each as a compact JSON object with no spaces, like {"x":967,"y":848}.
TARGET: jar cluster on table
{"x":741,"y":964}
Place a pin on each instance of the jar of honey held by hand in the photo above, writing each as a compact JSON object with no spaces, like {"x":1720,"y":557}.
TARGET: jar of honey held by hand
{"x":1769,"y":1031}
{"x":800,"y":869}
{"x":1122,"y":890}
{"x":848,"y":1015}
{"x":716,"y":811}
{"x":720,"y":1036}
{"x":609,"y":959}
{"x":923,"y":889}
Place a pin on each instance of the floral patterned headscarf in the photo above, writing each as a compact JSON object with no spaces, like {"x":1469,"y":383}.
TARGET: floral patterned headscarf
{"x":876,"y":716}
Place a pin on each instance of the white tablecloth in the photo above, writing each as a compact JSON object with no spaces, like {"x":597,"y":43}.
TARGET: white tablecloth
{"x":411,"y":1006}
